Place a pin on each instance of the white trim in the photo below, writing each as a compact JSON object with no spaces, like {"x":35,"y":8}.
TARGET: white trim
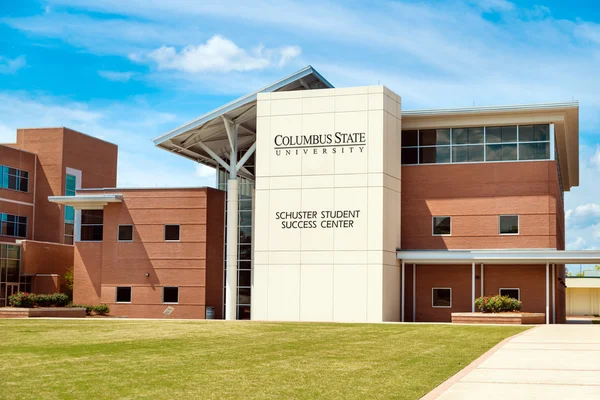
{"x":125,"y":241}
{"x":163,"y":295}
{"x":547,"y":293}
{"x":433,"y":225}
{"x":511,"y":288}
{"x":491,"y":256}
{"x":518,"y":224}
{"x":171,"y":240}
{"x":403,"y":291}
{"x":485,"y":109}
{"x":34,"y":196}
{"x":130,"y":295}
{"x":472,"y":287}
{"x":434,"y":288}
{"x":23,"y":203}
{"x":554,"y":293}
{"x":414,"y":293}
{"x":481,"y":281}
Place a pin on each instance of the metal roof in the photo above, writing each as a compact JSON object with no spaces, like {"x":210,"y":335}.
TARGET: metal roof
{"x":210,"y":129}
{"x":87,"y":202}
{"x":525,"y":256}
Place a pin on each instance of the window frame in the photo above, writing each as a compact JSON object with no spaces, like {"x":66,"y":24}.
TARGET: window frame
{"x":118,"y":232}
{"x":82,"y":225}
{"x":163,"y":295}
{"x":511,"y":288}
{"x":433,"y":217}
{"x":500,"y":224}
{"x":442,"y":288}
{"x":172,"y":240}
{"x":117,"y":294}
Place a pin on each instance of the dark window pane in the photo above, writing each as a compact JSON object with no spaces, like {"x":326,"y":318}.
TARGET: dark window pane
{"x":409,"y":138}
{"x":409,"y":156}
{"x":541,"y":133}
{"x":245,"y":252}
{"x":12,"y":182}
{"x":475,"y":153}
{"x":123,"y":295}
{"x":509,"y":152}
{"x":171,"y":232}
{"x":509,"y":133}
{"x":245,"y":218}
{"x":92,"y":217}
{"x":22,"y":230}
{"x":493,"y":134}
{"x":91,"y":233}
{"x":69,"y":229}
{"x":244,"y":278}
{"x":170,"y":294}
{"x":429,"y":155}
{"x":441,"y":225}
{"x":512,"y":293}
{"x":475,"y":135}
{"x":244,"y":296}
{"x":534,"y":151}
{"x":509,"y":224}
{"x":125,"y":233}
{"x":526,"y":133}
{"x":432,"y":137}
{"x":460,"y":154}
{"x":244,"y":264}
{"x":493,"y":152}
{"x":460,"y":136}
{"x":23,"y":184}
{"x":442,"y":297}
{"x":243,"y":312}
{"x":12,"y":271}
{"x":246,"y":235}
{"x":246,"y":204}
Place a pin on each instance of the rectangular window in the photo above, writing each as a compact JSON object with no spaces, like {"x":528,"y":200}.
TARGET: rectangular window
{"x":125,"y":233}
{"x":441,"y":297}
{"x":14,"y":179}
{"x":442,"y":225}
{"x":92,"y":225}
{"x":123,"y":294}
{"x":434,"y":155}
{"x":70,"y":190}
{"x":509,"y":224}
{"x":13,"y":225}
{"x":170,"y":294}
{"x":171,"y":232}
{"x":514,"y":293}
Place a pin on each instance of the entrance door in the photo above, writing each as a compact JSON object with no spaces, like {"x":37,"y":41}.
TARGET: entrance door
{"x":11,"y":288}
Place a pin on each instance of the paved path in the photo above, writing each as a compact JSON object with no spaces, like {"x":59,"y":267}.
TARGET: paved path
{"x":547,"y":362}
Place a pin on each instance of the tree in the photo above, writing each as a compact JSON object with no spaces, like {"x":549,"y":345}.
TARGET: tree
{"x":68,"y":283}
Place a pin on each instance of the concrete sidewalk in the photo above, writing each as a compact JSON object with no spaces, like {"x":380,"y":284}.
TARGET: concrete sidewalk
{"x":546,"y":362}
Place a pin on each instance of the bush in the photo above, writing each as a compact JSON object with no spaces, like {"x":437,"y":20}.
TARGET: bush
{"x":44,"y":300}
{"x":497,"y":303}
{"x":22,"y":299}
{"x":101,"y":309}
{"x":88,"y":309}
{"x":60,"y":299}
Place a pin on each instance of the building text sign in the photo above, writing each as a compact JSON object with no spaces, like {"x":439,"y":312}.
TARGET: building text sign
{"x":328,"y":143}
{"x":310,"y":219}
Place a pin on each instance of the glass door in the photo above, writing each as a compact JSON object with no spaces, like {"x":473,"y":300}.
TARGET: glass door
{"x":11,"y":288}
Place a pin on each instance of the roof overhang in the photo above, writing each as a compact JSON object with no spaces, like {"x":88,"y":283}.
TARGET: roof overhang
{"x":209,"y":131}
{"x":564,"y":116}
{"x":541,"y":256}
{"x":583,"y":282}
{"x":87,"y":202}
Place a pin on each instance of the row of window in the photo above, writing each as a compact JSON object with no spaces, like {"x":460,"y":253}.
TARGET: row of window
{"x":14,"y":178}
{"x":479,"y":144}
{"x":507,"y":225}
{"x":442,"y":297}
{"x":170,"y":294}
{"x":13,"y":225}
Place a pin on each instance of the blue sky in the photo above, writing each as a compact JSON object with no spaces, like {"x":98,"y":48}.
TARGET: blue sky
{"x":128,"y":71}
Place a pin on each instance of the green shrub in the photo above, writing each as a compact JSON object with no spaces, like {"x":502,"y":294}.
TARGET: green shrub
{"x":101,"y":309}
{"x":88,"y":309}
{"x":60,"y":299}
{"x":44,"y":300}
{"x":497,"y":303}
{"x":22,"y":299}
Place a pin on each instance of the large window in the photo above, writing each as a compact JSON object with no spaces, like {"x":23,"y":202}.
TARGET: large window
{"x":123,"y":294}
{"x":476,"y":144}
{"x":170,"y":294}
{"x":514,"y":293}
{"x":509,"y":224}
{"x":9,"y":271}
{"x":441,"y":297}
{"x":442,"y":225}
{"x":13,"y":225}
{"x":13,"y":178}
{"x":70,"y":190}
{"x":92,"y":225}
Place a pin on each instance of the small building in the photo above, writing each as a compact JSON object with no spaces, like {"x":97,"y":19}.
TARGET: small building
{"x":583,"y":294}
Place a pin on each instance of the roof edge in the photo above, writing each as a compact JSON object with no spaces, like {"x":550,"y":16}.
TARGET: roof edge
{"x":487,"y":109}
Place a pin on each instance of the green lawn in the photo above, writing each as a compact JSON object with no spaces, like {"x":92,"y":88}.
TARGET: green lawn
{"x":111,"y":359}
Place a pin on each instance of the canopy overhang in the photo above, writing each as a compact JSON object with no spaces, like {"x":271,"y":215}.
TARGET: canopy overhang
{"x":535,"y":256}
{"x":87,"y":202}
{"x":208,"y":139}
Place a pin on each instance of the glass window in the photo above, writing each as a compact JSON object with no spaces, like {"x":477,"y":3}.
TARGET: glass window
{"x":442,"y":225}
{"x":123,"y":294}
{"x":170,"y":294}
{"x":501,"y":152}
{"x":460,"y":136}
{"x":245,"y":252}
{"x":513,"y":293}
{"x":245,"y":218}
{"x":439,"y":154}
{"x":534,"y":151}
{"x":441,"y":297}
{"x":70,"y":185}
{"x":410,"y":138}
{"x":13,"y":178}
{"x":92,"y":225}
{"x":501,"y":134}
{"x":534,"y":133}
{"x":475,"y":135}
{"x":13,"y":225}
{"x":244,"y":296}
{"x":125,"y":233}
{"x":172,"y":232}
{"x":410,"y":156}
{"x":509,"y":224}
{"x":245,"y":235}
{"x":432,"y":137}
{"x":243,"y":312}
{"x":244,"y":278}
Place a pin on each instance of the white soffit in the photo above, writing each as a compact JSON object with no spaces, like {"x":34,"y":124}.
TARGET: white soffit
{"x":499,"y":256}
{"x":87,"y":202}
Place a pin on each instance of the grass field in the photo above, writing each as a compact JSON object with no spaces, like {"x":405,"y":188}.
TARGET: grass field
{"x":108,"y":359}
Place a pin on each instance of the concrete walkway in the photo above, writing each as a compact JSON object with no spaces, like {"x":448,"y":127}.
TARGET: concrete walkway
{"x":546,"y":362}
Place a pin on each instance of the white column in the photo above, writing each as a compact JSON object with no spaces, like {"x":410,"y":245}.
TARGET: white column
{"x":553,"y":293}
{"x":547,"y":293}
{"x":473,"y":286}
{"x":232,"y":250}
{"x":481,"y":279}
{"x":403,"y":292}
{"x":414,"y":293}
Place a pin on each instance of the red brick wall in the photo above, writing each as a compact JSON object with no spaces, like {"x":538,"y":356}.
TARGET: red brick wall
{"x":45,"y":284}
{"x":45,"y":258}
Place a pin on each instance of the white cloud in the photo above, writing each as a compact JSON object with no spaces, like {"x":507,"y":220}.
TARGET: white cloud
{"x":578,"y":244}
{"x":117,"y":76}
{"x":203,"y":171}
{"x":10,"y":66}
{"x":494,"y":5}
{"x":218,"y":54}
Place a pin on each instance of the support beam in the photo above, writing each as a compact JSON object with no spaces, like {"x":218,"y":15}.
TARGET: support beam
{"x":227,"y":124}
{"x":233,"y":155}
{"x":481,"y":279}
{"x":554,"y":293}
{"x":414,"y":293}
{"x":232,"y":250}
{"x":547,"y":293}
{"x":473,"y":287}
{"x":246,"y":156}
{"x":403,"y":291}
{"x":214,"y":155}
